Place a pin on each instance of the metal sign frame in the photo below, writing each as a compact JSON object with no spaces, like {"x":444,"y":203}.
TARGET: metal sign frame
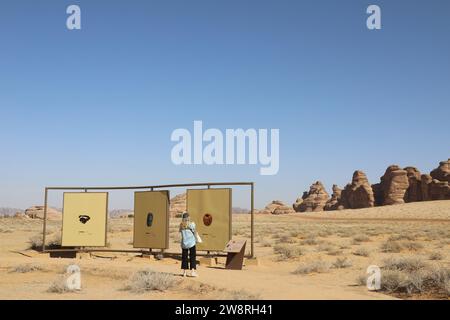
{"x":151,"y":188}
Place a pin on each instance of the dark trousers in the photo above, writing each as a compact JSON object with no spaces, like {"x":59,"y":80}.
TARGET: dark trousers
{"x":192,"y":256}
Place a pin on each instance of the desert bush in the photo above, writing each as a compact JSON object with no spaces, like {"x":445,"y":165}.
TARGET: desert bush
{"x":241,"y":295}
{"x":403,"y":236}
{"x":411,"y":275}
{"x":362,"y":252}
{"x":436,"y":255}
{"x":310,"y":241}
{"x":59,"y":286}
{"x":287,"y":251}
{"x":317,"y":266}
{"x":391,"y":246}
{"x":286,"y":239}
{"x":25,"y":268}
{"x":360,"y":238}
{"x":404,"y":263}
{"x":393,"y":280}
{"x":412,"y":245}
{"x":51,"y":241}
{"x":200,"y":288}
{"x":148,"y":280}
{"x":342,"y":263}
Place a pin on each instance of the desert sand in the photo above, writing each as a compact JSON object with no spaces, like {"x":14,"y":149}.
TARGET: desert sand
{"x":344,"y":242}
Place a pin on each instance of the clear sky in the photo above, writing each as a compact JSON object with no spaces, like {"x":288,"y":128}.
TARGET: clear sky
{"x":97,"y":106}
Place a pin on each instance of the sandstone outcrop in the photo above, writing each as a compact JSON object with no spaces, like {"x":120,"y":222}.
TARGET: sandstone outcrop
{"x":394,"y":184}
{"x":425,"y":181}
{"x":334,"y":203}
{"x":276,"y":207}
{"x":414,"y":191}
{"x":439,"y":190}
{"x":358,"y":194}
{"x":37,"y":212}
{"x":442,"y":173}
{"x":314,"y":200}
{"x":177,"y":205}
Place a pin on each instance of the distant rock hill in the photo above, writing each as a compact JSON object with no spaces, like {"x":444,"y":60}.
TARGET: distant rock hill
{"x":121,"y":213}
{"x":37,"y":212}
{"x":397,"y":185}
{"x":7,"y":212}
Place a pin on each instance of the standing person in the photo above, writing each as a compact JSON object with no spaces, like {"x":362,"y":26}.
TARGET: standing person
{"x":188,"y":242}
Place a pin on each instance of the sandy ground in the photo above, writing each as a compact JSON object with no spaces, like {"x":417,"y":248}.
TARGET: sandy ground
{"x":424,"y":228}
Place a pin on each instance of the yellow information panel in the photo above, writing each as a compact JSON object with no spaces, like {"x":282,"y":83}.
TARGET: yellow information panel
{"x":84,"y":219}
{"x":210,"y":209}
{"x":151,"y":219}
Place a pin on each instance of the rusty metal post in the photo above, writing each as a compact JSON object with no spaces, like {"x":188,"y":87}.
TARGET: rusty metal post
{"x":44,"y":228}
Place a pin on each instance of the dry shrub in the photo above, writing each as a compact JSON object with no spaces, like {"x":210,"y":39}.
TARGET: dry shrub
{"x":25,"y":268}
{"x":200,"y":288}
{"x":405,"y":263}
{"x":287,"y":251}
{"x":241,"y":295}
{"x":361,"y":238}
{"x":148,"y":280}
{"x":436,"y":256}
{"x":52,"y":241}
{"x":342,"y":263}
{"x":362,"y":252}
{"x":317,"y":266}
{"x":412,"y":245}
{"x":310,"y":241}
{"x":411,"y":275}
{"x":391,"y":246}
{"x":403,"y":236}
{"x":59,"y":286}
{"x":286,"y":239}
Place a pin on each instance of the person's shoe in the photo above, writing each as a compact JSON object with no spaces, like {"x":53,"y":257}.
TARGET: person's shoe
{"x":194,"y":273}
{"x":184,"y":273}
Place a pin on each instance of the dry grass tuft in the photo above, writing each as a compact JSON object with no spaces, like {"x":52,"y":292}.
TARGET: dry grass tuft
{"x":52,"y":241}
{"x":318,"y":266}
{"x":360,"y":238}
{"x":25,"y":268}
{"x":342,"y":263}
{"x":287,"y":252}
{"x":391,"y":246}
{"x":436,"y":255}
{"x":148,"y":280}
{"x":362,"y":252}
{"x":241,"y":295}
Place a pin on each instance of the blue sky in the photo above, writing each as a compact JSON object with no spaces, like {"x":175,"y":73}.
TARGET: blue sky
{"x":97,"y":106}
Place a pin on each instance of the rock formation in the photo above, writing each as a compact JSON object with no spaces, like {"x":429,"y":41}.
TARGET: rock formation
{"x":442,"y":173}
{"x":397,"y":186}
{"x":177,"y":205}
{"x":425,"y":181}
{"x":37,"y":212}
{"x":314,"y":200}
{"x":358,"y":194}
{"x":394,"y":184}
{"x":439,"y":190}
{"x":276,"y":207}
{"x":414,"y":191}
{"x":335,"y":202}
